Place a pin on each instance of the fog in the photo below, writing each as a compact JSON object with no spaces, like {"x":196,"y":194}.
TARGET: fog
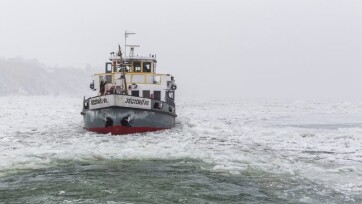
{"x":301,"y":49}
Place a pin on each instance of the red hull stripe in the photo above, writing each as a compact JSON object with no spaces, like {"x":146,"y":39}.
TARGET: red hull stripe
{"x":121,"y":130}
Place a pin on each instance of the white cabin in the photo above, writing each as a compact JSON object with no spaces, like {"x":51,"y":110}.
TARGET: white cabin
{"x":141,"y":79}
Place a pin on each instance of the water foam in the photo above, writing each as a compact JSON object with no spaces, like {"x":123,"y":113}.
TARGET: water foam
{"x":279,"y":137}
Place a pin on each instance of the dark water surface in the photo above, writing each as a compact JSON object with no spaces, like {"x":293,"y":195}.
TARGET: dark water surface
{"x":220,"y":151}
{"x":156,"y":181}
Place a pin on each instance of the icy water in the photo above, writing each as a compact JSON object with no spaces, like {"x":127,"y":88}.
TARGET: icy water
{"x":235,"y":151}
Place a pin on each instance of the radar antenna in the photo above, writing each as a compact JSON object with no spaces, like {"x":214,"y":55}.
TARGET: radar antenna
{"x":131,"y":52}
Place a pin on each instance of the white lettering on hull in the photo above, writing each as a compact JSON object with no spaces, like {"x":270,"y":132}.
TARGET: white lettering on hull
{"x":119,"y":100}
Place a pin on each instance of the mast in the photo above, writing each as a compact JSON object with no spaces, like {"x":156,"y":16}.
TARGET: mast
{"x":123,"y":69}
{"x":126,"y":34}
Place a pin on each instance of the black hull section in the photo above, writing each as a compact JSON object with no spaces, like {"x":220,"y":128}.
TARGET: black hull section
{"x":124,"y":120}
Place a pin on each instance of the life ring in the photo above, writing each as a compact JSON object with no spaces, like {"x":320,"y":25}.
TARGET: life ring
{"x":173,"y":87}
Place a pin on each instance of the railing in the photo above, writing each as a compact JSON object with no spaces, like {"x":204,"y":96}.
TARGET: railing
{"x":136,"y":77}
{"x":133,"y":57}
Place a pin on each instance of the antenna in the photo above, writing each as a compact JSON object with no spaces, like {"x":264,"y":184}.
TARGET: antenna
{"x":126,"y":34}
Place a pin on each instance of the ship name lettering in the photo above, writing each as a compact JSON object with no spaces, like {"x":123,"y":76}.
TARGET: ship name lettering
{"x":137,"y":101}
{"x":99,"y":101}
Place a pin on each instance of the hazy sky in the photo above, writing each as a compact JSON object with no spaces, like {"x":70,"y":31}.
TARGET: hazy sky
{"x":254,"y":48}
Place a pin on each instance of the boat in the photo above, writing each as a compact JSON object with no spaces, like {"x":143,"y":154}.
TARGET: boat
{"x":130,"y":97}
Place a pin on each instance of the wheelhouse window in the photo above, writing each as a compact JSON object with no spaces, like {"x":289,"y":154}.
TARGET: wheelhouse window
{"x":128,"y":68}
{"x":146,"y":66}
{"x":123,"y":68}
{"x":137,"y":66}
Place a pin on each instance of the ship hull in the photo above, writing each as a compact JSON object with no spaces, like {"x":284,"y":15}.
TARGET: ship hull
{"x":124,"y":120}
{"x":121,"y":130}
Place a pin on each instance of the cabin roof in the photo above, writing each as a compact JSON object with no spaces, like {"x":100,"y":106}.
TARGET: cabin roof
{"x":135,"y":58}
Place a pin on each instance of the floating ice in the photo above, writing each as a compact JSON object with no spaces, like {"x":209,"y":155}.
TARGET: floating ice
{"x":320,"y":142}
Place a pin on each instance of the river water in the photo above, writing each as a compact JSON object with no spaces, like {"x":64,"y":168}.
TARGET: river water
{"x":235,"y":151}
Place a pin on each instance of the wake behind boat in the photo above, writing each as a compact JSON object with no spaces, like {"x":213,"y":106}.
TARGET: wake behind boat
{"x":130,"y":96}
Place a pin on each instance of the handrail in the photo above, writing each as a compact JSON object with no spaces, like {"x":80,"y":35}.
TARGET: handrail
{"x":131,"y":79}
{"x":145,"y":73}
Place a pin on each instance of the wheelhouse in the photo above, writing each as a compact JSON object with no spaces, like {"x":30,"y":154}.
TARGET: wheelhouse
{"x":140,"y":79}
